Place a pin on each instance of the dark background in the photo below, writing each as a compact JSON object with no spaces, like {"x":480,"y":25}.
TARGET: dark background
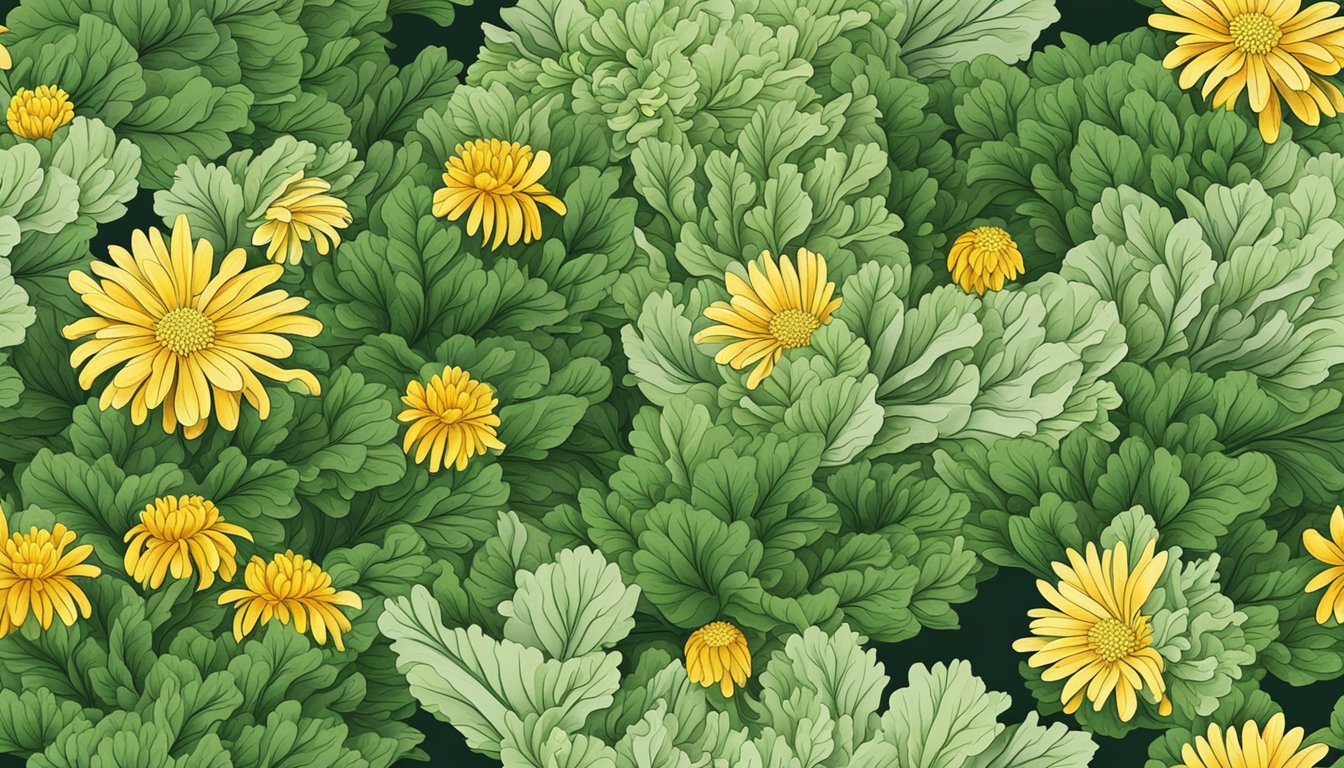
{"x":998,"y":614}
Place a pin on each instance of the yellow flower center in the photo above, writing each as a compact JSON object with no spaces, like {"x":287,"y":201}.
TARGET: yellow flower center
{"x":793,"y":328}
{"x":487,"y":181}
{"x":1254,"y":32}
{"x":992,"y":239}
{"x":176,"y":519}
{"x":34,"y":557}
{"x":719,"y":634}
{"x":185,"y":330}
{"x":1112,"y":639}
{"x":291,"y":577}
{"x":36,"y":114}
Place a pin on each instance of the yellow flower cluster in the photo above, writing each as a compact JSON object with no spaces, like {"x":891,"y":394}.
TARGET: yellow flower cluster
{"x":1094,"y":637}
{"x":37,"y":572}
{"x":1329,"y":552}
{"x":1274,"y":747}
{"x":1275,"y":52}
{"x":176,"y":533}
{"x":184,"y":338}
{"x":717,"y":654}
{"x":983,"y":259}
{"x":36,"y":114}
{"x":499,"y":182}
{"x":777,"y":307}
{"x":452,"y":418}
{"x":301,"y":213}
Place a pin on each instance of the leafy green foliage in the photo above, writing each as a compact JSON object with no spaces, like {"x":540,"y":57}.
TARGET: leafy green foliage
{"x":532,"y":696}
{"x":1168,"y":366}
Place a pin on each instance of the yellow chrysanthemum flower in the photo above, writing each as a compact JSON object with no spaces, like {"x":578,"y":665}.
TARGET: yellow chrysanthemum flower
{"x":774,"y":309}
{"x":173,"y":532}
{"x":1223,"y":748}
{"x":452,"y":418}
{"x":291,"y":587}
{"x":983,"y":259}
{"x":185,"y":340}
{"x":37,"y":114}
{"x":1331,"y":553}
{"x":36,"y":575}
{"x":1264,"y":47}
{"x":500,"y":182}
{"x":302,"y":213}
{"x":1094,"y":637}
{"x":6,"y":61}
{"x":718,"y":653}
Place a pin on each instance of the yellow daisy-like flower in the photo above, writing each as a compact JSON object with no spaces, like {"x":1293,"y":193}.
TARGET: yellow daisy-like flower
{"x":1223,"y":748}
{"x":173,"y":532}
{"x":290,"y":587}
{"x":776,"y":308}
{"x":302,"y":213}
{"x":1264,"y":47}
{"x":184,"y":339}
{"x":6,"y":61}
{"x":718,"y":653}
{"x":1094,"y":638}
{"x":1331,"y":553}
{"x":36,"y":575}
{"x":500,"y":183}
{"x":983,"y":259}
{"x":37,"y":114}
{"x":452,"y":418}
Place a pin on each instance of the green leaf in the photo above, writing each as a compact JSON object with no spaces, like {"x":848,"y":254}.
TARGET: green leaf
{"x":937,"y":34}
{"x":1032,"y":745}
{"x":95,"y":432}
{"x":784,"y":213}
{"x":1102,"y":160}
{"x":571,"y":607}
{"x":1194,"y":498}
{"x":497,"y":563}
{"x":257,"y":494}
{"x":95,"y":65}
{"x":921,"y":358}
{"x":1153,"y":270}
{"x":40,"y":200}
{"x":342,"y":442}
{"x":310,"y":117}
{"x":104,"y":168}
{"x":31,"y":720}
{"x":943,"y":717}
{"x":834,"y":669}
{"x":691,"y":565}
{"x":474,"y":681}
{"x":270,"y":48}
{"x":98,"y":501}
{"x":387,"y":569}
{"x":1024,"y":379}
{"x":774,"y":133}
{"x":15,"y":313}
{"x":663,"y":361}
{"x":182,"y":115}
{"x":441,"y":12}
{"x":211,"y":198}
{"x":663,"y":177}
{"x":709,"y":246}
{"x":290,"y":740}
{"x":393,"y":110}
{"x":531,"y":428}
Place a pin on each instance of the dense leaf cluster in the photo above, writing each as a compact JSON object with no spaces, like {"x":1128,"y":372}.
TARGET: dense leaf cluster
{"x":1168,"y":367}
